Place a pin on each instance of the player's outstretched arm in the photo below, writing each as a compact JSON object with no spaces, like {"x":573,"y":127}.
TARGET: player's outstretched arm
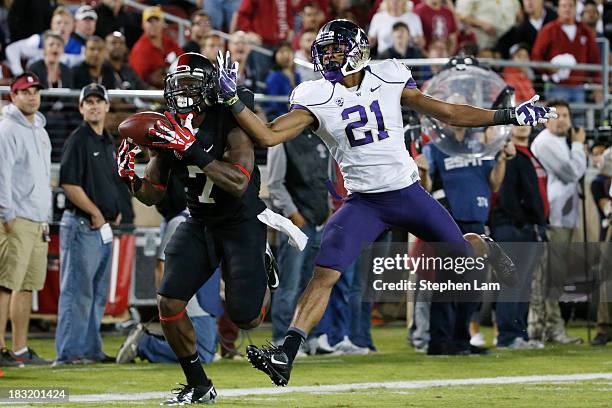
{"x":527,"y":113}
{"x":151,"y":189}
{"x":283,"y":128}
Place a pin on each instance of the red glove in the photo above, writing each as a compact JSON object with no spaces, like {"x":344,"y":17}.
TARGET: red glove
{"x":126,"y":158}
{"x":179,"y":138}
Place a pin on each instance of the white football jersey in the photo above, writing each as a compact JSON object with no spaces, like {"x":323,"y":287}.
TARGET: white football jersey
{"x":363,"y":127}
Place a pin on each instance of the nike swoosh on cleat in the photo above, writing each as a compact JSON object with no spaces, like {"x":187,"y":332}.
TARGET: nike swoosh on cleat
{"x":373,"y":89}
{"x":275,"y":361}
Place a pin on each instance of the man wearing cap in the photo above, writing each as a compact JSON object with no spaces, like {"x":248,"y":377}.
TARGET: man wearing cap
{"x":88,"y":175}
{"x":153,"y":52}
{"x":25,"y":203}
{"x":85,"y":24}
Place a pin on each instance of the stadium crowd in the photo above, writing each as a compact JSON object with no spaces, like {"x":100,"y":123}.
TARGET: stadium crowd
{"x":74,"y":44}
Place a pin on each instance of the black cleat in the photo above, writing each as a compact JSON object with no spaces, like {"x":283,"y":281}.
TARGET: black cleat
{"x":187,"y":394}
{"x":504,"y":270}
{"x":271,"y":269}
{"x":271,"y":360}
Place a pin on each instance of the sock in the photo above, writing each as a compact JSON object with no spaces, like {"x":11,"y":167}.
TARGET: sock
{"x":194,"y":372}
{"x":20,"y":352}
{"x":292,"y":343}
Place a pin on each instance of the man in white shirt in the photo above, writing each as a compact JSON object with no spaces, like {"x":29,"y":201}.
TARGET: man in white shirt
{"x":565,"y":165}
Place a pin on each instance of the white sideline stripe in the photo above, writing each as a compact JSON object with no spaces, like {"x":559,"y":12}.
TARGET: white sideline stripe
{"x":237,"y":392}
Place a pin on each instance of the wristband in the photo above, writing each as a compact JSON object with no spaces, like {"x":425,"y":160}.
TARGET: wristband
{"x":135,"y":184}
{"x":505,"y":116}
{"x":199,"y":156}
{"x":235,"y":104}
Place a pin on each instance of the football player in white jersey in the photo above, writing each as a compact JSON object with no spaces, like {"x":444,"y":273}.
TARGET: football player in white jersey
{"x":356,"y":110}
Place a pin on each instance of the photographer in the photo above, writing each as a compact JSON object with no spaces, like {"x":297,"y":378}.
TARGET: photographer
{"x":564,"y":159}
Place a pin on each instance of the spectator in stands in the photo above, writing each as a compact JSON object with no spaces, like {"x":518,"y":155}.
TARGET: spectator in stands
{"x":567,"y":41}
{"x":50,"y":70}
{"x":124,"y":75}
{"x":211,"y":45}
{"x":153,"y":52}
{"x":281,"y":80}
{"x":113,"y":16}
{"x":200,"y":27}
{"x":31,"y":50}
{"x":95,"y":68}
{"x":393,"y":11}
{"x":403,"y":48}
{"x":438,"y":23}
{"x":437,"y":49}
{"x":221,"y":12}
{"x":520,"y":215}
{"x":590,"y":16}
{"x":565,"y":166}
{"x":240,"y":49}
{"x":54,"y":74}
{"x":488,"y":19}
{"x":536,"y":15}
{"x":520,"y":77}
{"x":303,"y":54}
{"x":88,"y":175}
{"x":312,"y":19}
{"x":271,"y":21}
{"x":297,"y":175}
{"x":25,"y":198}
{"x":85,"y":24}
{"x":28,"y":17}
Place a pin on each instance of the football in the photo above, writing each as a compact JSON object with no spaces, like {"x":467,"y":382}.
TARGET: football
{"x":136,"y":128}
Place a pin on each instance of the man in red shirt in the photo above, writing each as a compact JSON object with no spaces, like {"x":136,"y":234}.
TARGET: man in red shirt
{"x":153,"y":52}
{"x":566,"y":41}
{"x":271,"y":20}
{"x":438,"y":23}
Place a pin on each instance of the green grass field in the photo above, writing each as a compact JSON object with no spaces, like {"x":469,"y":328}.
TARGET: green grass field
{"x":395,"y":361}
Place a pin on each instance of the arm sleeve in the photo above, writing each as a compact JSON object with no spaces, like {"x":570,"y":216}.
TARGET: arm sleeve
{"x":245,"y":16}
{"x":568,"y":170}
{"x":7,"y":160}
{"x":72,"y":165}
{"x":277,"y":169}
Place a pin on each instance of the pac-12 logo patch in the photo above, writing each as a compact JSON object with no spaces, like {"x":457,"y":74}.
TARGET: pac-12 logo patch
{"x":340,"y":101}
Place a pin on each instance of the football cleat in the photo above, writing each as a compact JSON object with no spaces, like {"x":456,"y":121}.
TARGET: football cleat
{"x":271,"y":360}
{"x":187,"y":394}
{"x":504,"y":270}
{"x":271,"y":269}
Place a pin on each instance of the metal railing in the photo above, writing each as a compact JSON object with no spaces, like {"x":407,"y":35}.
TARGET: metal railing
{"x":61,"y":122}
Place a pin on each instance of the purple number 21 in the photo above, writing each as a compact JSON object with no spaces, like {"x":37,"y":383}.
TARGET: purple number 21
{"x":363,"y":120}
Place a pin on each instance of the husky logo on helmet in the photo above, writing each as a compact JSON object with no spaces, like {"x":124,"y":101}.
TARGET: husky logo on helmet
{"x":191,"y":84}
{"x":346,"y":37}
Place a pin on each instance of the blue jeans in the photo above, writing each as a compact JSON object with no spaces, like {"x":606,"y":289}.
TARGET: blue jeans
{"x":296,"y":269}
{"x":361,"y":313}
{"x":336,"y":321}
{"x":511,"y":316}
{"x":156,"y":349}
{"x":85,"y":265}
{"x":221,"y":12}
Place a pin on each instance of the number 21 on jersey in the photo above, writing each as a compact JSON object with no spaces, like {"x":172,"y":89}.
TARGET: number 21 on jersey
{"x":361,"y":138}
{"x":205,"y":197}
